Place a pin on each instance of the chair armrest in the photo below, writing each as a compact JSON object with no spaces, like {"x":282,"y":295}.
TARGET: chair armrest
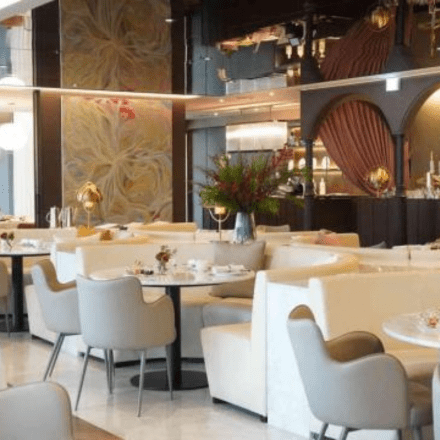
{"x":354,"y":345}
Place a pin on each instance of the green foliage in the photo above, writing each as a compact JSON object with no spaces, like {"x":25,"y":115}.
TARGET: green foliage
{"x":247,"y":185}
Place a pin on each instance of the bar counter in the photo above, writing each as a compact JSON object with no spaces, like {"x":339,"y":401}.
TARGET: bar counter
{"x":393,"y":220}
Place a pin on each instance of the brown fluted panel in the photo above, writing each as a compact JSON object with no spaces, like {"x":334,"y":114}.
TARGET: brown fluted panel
{"x":355,"y":133}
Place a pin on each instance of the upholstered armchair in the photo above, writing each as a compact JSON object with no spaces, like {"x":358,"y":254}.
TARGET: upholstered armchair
{"x":59,"y":306}
{"x":36,"y":411}
{"x":363,"y":388}
{"x":114,"y":316}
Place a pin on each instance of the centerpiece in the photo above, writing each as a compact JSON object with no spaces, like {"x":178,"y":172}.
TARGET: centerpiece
{"x":246,"y":186}
{"x":6,"y":240}
{"x":163,"y":257}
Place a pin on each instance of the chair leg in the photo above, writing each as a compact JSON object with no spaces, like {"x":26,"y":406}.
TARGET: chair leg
{"x":141,"y":383}
{"x":344,"y":434}
{"x":54,"y":356}
{"x":108,"y":372}
{"x":321,"y":435}
{"x":81,"y":383}
{"x":170,"y":379}
{"x":112,"y":368}
{"x":417,"y":433}
{"x":57,"y":354}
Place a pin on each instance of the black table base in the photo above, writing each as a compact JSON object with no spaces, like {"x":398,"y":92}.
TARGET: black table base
{"x":24,"y":328}
{"x":157,"y":380}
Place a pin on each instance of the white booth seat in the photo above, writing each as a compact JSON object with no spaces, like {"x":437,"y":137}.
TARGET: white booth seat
{"x":342,"y":303}
{"x":236,"y":354}
{"x":165,"y":226}
{"x":345,"y":239}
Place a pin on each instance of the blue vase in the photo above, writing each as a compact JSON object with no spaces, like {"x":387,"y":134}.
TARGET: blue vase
{"x":244,"y":230}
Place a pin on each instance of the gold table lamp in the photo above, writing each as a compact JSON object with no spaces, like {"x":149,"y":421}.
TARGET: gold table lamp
{"x":89,"y":195}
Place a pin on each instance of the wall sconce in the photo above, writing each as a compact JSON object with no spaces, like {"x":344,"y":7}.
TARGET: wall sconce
{"x":89,"y":195}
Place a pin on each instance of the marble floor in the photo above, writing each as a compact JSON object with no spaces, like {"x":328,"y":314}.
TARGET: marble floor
{"x":190,"y":416}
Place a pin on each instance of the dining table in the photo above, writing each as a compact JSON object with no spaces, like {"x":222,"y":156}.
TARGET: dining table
{"x":16,"y":254}
{"x":415,"y":328}
{"x":173,"y":281}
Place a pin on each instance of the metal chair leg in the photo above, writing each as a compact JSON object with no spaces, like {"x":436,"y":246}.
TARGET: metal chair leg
{"x":81,"y":383}
{"x":321,"y":435}
{"x":141,"y":383}
{"x":170,"y":379}
{"x":417,"y":433}
{"x":344,"y":434}
{"x":108,"y":372}
{"x":112,"y":368}
{"x":63,"y":335}
{"x":54,"y":356}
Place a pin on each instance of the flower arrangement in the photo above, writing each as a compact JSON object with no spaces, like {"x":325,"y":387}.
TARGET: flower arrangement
{"x":247,"y":185}
{"x":164,"y":256}
{"x":7,"y":238}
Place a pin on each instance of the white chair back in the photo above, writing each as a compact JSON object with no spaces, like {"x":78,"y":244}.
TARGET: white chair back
{"x":114,"y":315}
{"x":36,"y":411}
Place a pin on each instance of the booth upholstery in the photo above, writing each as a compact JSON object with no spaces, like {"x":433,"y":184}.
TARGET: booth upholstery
{"x":199,"y":308}
{"x":236,"y":354}
{"x":342,"y":303}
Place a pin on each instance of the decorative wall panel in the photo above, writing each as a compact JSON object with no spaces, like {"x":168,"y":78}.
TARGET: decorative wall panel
{"x":123,"y":146}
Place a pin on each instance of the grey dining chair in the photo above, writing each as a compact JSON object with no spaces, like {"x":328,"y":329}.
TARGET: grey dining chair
{"x":59,"y":306}
{"x":5,"y":287}
{"x":350,"y":382}
{"x":36,"y":411}
{"x":114,"y":316}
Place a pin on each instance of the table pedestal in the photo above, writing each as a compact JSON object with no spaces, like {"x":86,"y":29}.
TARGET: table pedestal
{"x":182,"y":380}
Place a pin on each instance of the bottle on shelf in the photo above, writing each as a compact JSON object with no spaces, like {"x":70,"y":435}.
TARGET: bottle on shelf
{"x":322,"y":187}
{"x":431,"y":164}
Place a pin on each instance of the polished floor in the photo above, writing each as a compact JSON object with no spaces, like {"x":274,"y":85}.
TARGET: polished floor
{"x":190,"y":416}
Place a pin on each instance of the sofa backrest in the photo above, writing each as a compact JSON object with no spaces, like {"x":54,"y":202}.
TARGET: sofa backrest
{"x":93,"y":258}
{"x":297,"y":275}
{"x":363,"y":301}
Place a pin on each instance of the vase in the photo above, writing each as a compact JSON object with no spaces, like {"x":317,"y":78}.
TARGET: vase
{"x":162,"y":267}
{"x":244,"y":229}
{"x":5,"y":246}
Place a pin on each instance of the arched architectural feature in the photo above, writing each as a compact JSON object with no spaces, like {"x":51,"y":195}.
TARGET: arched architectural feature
{"x":358,"y":139}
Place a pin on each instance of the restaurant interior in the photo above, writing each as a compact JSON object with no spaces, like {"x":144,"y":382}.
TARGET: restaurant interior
{"x":219,"y":219}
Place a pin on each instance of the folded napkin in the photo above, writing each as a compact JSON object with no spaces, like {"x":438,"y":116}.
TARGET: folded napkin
{"x":28,"y":242}
{"x":228,"y":269}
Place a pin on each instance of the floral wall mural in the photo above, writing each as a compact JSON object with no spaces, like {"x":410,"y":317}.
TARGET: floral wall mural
{"x":124,"y":146}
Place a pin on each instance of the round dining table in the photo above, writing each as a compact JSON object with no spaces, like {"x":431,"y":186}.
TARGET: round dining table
{"x":173,"y":281}
{"x":412,"y":328}
{"x":17,"y":254}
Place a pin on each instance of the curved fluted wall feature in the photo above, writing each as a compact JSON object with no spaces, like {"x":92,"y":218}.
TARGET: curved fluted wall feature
{"x":355,"y":134}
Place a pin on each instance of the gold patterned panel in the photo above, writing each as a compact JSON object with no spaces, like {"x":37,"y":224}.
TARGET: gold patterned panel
{"x":116,"y":45}
{"x":123,"y":146}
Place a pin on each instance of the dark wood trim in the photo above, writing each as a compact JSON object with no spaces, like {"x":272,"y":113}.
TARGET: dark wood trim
{"x":47,"y":110}
{"x":178,"y":85}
